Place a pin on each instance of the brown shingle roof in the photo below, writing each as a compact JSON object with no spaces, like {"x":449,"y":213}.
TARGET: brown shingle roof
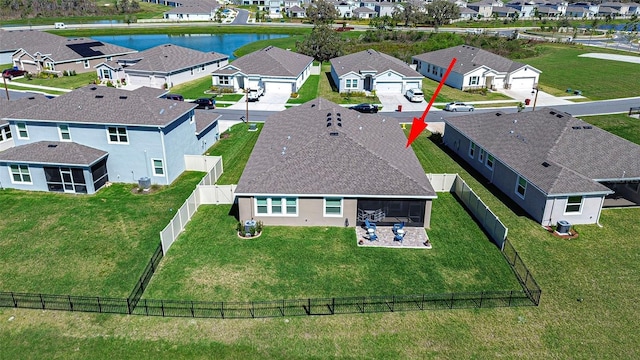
{"x":297,"y":154}
{"x":272,"y":61}
{"x":53,"y":152}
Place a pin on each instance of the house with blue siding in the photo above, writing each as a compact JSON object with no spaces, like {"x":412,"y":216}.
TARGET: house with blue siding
{"x":81,"y":140}
{"x":551,"y":164}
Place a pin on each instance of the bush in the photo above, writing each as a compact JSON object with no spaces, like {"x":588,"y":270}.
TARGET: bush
{"x":222,"y":89}
{"x":110,"y":84}
{"x":294,"y":95}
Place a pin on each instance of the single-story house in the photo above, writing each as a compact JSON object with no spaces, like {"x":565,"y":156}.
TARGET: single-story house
{"x":364,"y":12}
{"x":554,"y":166}
{"x":476,"y":68}
{"x":163,"y":66}
{"x":79,"y":141}
{"x":40,"y":51}
{"x":371,"y":70}
{"x":193,"y":10}
{"x":272,"y":68}
{"x":320,"y":164}
{"x":296,"y":12}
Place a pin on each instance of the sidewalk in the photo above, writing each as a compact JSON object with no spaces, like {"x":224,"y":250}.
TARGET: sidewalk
{"x":39,"y":87}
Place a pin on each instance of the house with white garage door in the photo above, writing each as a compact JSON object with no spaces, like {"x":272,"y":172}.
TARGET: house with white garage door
{"x":272,"y":68}
{"x":163,"y":66}
{"x":476,"y":68}
{"x":371,"y":70}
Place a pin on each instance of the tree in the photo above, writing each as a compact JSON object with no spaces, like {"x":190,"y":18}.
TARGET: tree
{"x":409,"y":13}
{"x":322,"y":44}
{"x":321,"y":13}
{"x":441,"y":12}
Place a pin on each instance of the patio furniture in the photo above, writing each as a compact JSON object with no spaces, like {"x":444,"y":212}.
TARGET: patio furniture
{"x":370,"y":225}
{"x":397,"y":227}
{"x":399,"y":235}
{"x":373,"y":236}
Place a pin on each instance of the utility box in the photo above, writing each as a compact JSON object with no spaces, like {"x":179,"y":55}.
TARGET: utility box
{"x":563,"y":227}
{"x":144,"y":183}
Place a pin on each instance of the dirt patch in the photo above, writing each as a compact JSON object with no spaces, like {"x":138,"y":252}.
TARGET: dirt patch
{"x":572,"y":234}
{"x":139,"y":191}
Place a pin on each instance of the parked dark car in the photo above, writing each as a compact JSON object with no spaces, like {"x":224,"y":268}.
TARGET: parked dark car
{"x":176,"y":97}
{"x":205,"y":103}
{"x":365,"y":108}
{"x":11,"y":73}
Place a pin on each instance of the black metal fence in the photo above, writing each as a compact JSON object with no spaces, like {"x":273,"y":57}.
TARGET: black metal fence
{"x":528,"y":296}
{"x":529,"y":284}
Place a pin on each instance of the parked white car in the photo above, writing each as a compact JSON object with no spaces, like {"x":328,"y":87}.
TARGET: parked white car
{"x":414,"y":95}
{"x":254,"y":94}
{"x":458,"y":106}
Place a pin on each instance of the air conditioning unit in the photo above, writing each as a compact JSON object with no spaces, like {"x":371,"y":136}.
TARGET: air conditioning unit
{"x":563,"y":227}
{"x":144,"y":183}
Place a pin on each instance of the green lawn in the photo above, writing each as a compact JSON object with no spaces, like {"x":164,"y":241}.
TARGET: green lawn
{"x":234,"y":146}
{"x":83,"y":244}
{"x":210,"y":262}
{"x":597,"y":79}
{"x":622,"y":125}
{"x":328,"y":90}
{"x":448,"y":94}
{"x":62,"y":82}
{"x":309,"y":91}
{"x":193,"y":89}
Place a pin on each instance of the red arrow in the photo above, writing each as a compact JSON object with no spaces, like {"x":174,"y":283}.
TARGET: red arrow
{"x":418,"y":124}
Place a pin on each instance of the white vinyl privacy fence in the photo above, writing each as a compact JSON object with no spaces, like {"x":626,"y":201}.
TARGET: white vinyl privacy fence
{"x":481,"y":212}
{"x":207,"y":192}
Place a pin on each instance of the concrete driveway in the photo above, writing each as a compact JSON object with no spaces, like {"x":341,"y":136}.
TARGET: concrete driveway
{"x":270,"y":101}
{"x":390,"y":102}
{"x":544,"y":99}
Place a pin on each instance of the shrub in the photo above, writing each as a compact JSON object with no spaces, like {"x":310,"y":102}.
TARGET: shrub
{"x":294,"y":95}
{"x":110,"y":84}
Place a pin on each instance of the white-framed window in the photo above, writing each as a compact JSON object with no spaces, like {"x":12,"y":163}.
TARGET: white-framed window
{"x":521,"y":187}
{"x":223,"y":80}
{"x":109,"y":58}
{"x":117,"y":135}
{"x":276,"y":206}
{"x":106,"y":74}
{"x":474,"y":80}
{"x":352,"y":83}
{"x":23,"y":133}
{"x":20,"y":174}
{"x":490,"y":161}
{"x":48,"y":65}
{"x":158,"y":167}
{"x":481,"y":155}
{"x":472,"y":149}
{"x":574,"y":205}
{"x":86,"y":64}
{"x":64,"y":132}
{"x":332,"y":207}
{"x":5,"y":133}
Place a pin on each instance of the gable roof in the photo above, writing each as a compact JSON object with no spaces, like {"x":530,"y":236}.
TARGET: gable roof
{"x":109,"y":106}
{"x":272,"y":61}
{"x":169,"y":58}
{"x":301,"y":152}
{"x":195,"y":7}
{"x":371,"y":60}
{"x":470,"y":58}
{"x":557,"y":153}
{"x":53,"y":152}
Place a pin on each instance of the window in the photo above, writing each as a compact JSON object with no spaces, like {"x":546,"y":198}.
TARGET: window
{"x":490,"y":161}
{"x":472,"y":150}
{"x":277,"y":206}
{"x":521,"y":187}
{"x":49,"y":66}
{"x":158,"y":167}
{"x":106,"y":74}
{"x":20,"y":174}
{"x":22,"y":131}
{"x":481,"y":155}
{"x":86,"y":64}
{"x":223,"y":80}
{"x":474,"y":80}
{"x":574,"y":204}
{"x":352,"y":83}
{"x":332,"y":207}
{"x":117,"y":134}
{"x":63,"y":131}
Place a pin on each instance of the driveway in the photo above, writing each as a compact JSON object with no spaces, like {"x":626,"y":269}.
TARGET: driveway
{"x":390,"y":102}
{"x":544,"y":99}
{"x":270,"y":101}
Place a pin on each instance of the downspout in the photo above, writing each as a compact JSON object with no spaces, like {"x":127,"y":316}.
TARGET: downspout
{"x":164,"y":157}
{"x":600,"y":212}
{"x":553,"y":206}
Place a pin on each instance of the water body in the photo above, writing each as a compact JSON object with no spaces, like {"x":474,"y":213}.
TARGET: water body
{"x":221,"y":43}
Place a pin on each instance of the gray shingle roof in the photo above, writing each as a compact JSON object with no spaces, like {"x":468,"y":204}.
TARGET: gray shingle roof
{"x":272,"y":61}
{"x":170,"y":58}
{"x":371,"y":60}
{"x":469,"y":58}
{"x":204,"y":119}
{"x":53,"y":152}
{"x":7,"y":108}
{"x":366,"y":157}
{"x":195,"y":7}
{"x":59,"y":48}
{"x":576,"y":152}
{"x":109,"y":106}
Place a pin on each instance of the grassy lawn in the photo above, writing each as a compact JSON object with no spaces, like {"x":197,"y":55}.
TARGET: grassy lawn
{"x":234,"y":146}
{"x":597,"y":79}
{"x":448,"y":94}
{"x":15,"y":86}
{"x":210,"y":262}
{"x":83,"y":244}
{"x":309,"y":91}
{"x":328,"y":90}
{"x":193,"y":89}
{"x":622,"y":125}
{"x":62,"y":82}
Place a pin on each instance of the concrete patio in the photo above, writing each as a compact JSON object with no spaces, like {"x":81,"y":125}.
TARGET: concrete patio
{"x":414,"y":238}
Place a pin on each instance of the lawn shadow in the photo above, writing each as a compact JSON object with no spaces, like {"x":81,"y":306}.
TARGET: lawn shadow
{"x":333,"y":85}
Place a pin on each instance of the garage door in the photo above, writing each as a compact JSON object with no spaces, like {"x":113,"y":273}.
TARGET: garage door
{"x":389,"y":87}
{"x":278,"y":87}
{"x":413,"y":85}
{"x":522,"y":83}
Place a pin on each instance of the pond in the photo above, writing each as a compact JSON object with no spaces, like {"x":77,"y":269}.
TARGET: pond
{"x":221,"y":43}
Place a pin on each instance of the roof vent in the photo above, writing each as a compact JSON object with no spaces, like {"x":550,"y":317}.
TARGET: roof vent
{"x":334,"y":133}
{"x":339,"y":124}
{"x":99,"y":96}
{"x":161,"y":111}
{"x":498,"y":114}
{"x":552,"y":112}
{"x":559,"y":116}
{"x":546,"y":164}
{"x":588,"y":127}
{"x":93,"y":88}
{"x":52,"y":145}
{"x":313,"y":105}
{"x":576,"y":127}
{"x":328,"y":124}
{"x":31,"y":98}
{"x":123,"y":97}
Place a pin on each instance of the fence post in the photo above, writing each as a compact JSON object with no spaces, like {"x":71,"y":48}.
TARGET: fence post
{"x":70,"y":303}
{"x":42,"y":301}
{"x":510,"y":297}
{"x":15,"y":303}
{"x":308,"y":306}
{"x":99,"y":305}
{"x":129,"y":306}
{"x":192,"y":312}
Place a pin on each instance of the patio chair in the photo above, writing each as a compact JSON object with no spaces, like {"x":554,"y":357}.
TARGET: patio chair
{"x":399,"y":237}
{"x":373,"y":237}
{"x":370,"y":225}
{"x":397,"y":227}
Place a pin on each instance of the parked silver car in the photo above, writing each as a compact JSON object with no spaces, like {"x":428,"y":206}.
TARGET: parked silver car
{"x":458,"y":106}
{"x":414,"y":95}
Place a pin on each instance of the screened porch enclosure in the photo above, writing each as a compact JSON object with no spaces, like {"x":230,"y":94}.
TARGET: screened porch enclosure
{"x":74,"y":179}
{"x":388,"y":212}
